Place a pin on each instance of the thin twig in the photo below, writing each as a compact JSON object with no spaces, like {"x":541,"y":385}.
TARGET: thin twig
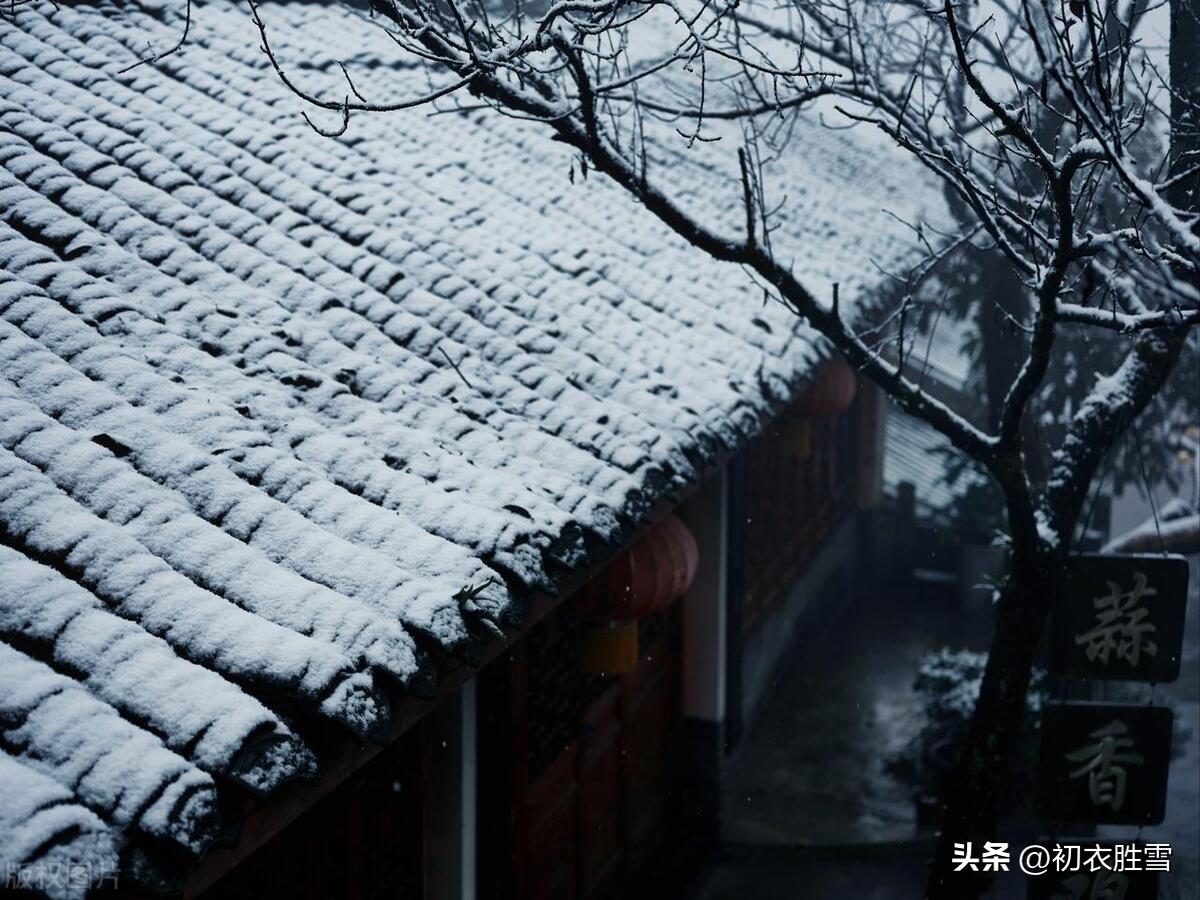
{"x":454,"y":366}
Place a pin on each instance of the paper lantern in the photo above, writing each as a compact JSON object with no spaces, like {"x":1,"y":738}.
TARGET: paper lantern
{"x":653,"y":573}
{"x":830,"y":392}
{"x":609,"y":648}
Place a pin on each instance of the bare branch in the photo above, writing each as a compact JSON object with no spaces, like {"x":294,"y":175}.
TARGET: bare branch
{"x":155,"y":57}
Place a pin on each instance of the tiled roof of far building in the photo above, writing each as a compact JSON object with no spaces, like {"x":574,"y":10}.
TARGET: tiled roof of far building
{"x":915,"y":453}
{"x":284,"y":418}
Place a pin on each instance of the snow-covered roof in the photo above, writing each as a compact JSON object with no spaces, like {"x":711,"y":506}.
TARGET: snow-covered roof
{"x":284,"y":418}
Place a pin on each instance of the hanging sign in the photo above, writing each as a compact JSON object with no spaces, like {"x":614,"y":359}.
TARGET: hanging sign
{"x":1079,"y":869}
{"x":1120,"y":618}
{"x":1104,"y":764}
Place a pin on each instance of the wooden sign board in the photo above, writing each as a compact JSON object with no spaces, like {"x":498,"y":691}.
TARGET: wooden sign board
{"x":1120,"y":618}
{"x":1104,"y":764}
{"x":1081,"y":883}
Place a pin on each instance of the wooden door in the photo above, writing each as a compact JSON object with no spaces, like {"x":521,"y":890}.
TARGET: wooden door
{"x":601,"y":810}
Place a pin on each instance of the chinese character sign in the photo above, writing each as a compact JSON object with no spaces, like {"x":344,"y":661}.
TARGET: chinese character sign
{"x":1105,"y":764}
{"x":1121,"y":618}
{"x":1109,"y":751}
{"x":1120,"y":630}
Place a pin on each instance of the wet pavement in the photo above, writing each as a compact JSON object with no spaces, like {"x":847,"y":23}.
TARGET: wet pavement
{"x":810,"y":809}
{"x":809,"y":875}
{"x":769,"y":878}
{"x":813,"y":769}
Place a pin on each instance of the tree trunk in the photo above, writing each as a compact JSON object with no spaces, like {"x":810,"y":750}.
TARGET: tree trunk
{"x":980,"y":781}
{"x":1003,"y":299}
{"x":1036,"y":572}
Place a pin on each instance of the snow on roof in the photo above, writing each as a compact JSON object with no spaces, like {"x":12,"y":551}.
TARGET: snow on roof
{"x":282,"y":418}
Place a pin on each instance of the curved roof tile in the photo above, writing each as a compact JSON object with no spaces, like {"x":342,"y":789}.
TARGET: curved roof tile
{"x":269,"y":403}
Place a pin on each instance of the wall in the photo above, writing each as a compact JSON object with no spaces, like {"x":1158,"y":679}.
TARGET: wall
{"x":810,"y":606}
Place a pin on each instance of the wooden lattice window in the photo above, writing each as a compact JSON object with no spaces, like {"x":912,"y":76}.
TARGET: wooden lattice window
{"x":362,"y":841}
{"x":800,"y":482}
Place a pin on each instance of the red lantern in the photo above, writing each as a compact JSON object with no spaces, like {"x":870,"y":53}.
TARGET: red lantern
{"x":653,"y":573}
{"x":830,"y":392}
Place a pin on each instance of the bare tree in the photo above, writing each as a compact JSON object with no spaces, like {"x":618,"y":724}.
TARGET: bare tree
{"x":1069,"y":151}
